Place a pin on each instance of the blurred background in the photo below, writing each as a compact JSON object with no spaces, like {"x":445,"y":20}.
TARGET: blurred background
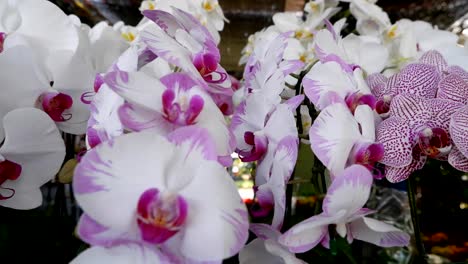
{"x":47,"y":233}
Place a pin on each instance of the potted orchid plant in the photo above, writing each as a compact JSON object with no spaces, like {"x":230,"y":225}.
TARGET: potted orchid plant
{"x":142,"y":122}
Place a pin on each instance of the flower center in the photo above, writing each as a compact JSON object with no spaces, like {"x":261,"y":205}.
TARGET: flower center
{"x":382,"y":106}
{"x":128,"y":36}
{"x":368,"y":154}
{"x":259,"y":145}
{"x":184,"y":110}
{"x":54,"y":104}
{"x":160,"y":215}
{"x":205,"y":63}
{"x":302,"y":34}
{"x":3,"y":36}
{"x":9,"y":170}
{"x":208,"y":6}
{"x":355,"y":99}
{"x":434,"y":142}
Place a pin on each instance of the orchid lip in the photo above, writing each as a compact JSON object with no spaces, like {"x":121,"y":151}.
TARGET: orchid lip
{"x":434,"y":142}
{"x":353,"y":100}
{"x":160,"y":215}
{"x":54,"y":104}
{"x":259,"y":145}
{"x":3,"y":36}
{"x":9,"y":170}
{"x":183,"y":110}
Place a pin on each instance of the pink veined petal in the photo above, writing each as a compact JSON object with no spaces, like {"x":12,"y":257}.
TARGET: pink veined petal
{"x":458,"y":71}
{"x":459,"y":130}
{"x":453,"y":87}
{"x":34,"y":142}
{"x":409,"y":107}
{"x":458,"y":160}
{"x":394,"y":134}
{"x":309,"y":233}
{"x":333,"y":135}
{"x":349,"y":191}
{"x":121,"y":254}
{"x":418,"y":79}
{"x":441,"y":112}
{"x":377,"y":83}
{"x":395,"y":175}
{"x":378,"y":233}
{"x":434,"y":58}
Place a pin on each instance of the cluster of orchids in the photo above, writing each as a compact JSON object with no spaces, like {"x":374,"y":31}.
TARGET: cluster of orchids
{"x":161,"y":117}
{"x":373,"y":104}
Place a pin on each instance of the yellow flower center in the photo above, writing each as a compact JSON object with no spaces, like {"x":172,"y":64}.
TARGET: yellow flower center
{"x":151,"y":6}
{"x":128,"y":36}
{"x":392,"y":32}
{"x":302,"y":34}
{"x":208,"y":6}
{"x":314,"y":7}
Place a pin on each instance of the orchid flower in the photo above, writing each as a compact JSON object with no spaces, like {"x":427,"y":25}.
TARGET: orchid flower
{"x":371,"y":19}
{"x":366,"y":52}
{"x":416,"y":129}
{"x":340,"y":139}
{"x":27,"y":86}
{"x":145,"y":188}
{"x":343,"y":207}
{"x":265,"y":249}
{"x":46,"y":34}
{"x":176,"y":100}
{"x":182,"y":41}
{"x":327,"y":83}
{"x":254,"y":40}
{"x":31,"y":155}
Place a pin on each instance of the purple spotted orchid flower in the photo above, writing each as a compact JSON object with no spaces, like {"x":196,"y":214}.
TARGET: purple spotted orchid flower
{"x":181,"y":40}
{"x":175,"y":100}
{"x":266,"y":249}
{"x":151,"y":190}
{"x":416,"y":129}
{"x":339,"y":139}
{"x":458,"y":158}
{"x":30,"y":156}
{"x":343,"y":207}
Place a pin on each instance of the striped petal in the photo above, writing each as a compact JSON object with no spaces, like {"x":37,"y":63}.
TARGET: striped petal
{"x":394,"y":134}
{"x":418,"y":79}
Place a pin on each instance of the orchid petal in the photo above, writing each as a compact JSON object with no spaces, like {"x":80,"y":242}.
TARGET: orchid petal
{"x":349,"y":191}
{"x":394,"y":134}
{"x":458,"y":160}
{"x":453,"y":87}
{"x":34,"y":142}
{"x":395,"y":175}
{"x":434,"y":58}
{"x":418,"y":79}
{"x":333,"y":135}
{"x":459,"y":130}
{"x":378,"y":233}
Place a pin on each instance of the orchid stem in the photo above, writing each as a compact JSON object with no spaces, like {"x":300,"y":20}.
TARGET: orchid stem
{"x":420,"y":251}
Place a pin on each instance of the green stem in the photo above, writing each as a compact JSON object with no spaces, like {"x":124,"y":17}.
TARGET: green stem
{"x":420,"y":256}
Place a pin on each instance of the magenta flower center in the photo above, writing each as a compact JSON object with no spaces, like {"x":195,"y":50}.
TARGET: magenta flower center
{"x":3,"y":36}
{"x":160,"y":215}
{"x":9,"y":170}
{"x":434,"y":142}
{"x":205,"y":63}
{"x":54,"y":104}
{"x":383,"y":106}
{"x":259,"y":145}
{"x":182,"y":110}
{"x":356,"y":99}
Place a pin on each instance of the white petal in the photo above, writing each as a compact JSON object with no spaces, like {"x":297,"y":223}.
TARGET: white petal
{"x":333,"y":135}
{"x":34,"y":142}
{"x":348,"y":191}
{"x":378,"y":233}
{"x":123,"y":254}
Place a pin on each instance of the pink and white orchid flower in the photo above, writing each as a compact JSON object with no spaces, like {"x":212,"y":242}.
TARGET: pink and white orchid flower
{"x":30,"y":156}
{"x":340,"y":139}
{"x":343,"y":207}
{"x":458,"y":157}
{"x":145,"y":188}
{"x":176,"y":100}
{"x":182,"y":41}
